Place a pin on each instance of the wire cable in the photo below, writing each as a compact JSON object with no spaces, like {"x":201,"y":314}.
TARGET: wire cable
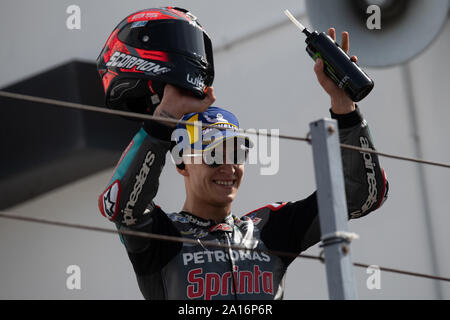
{"x":135,"y":115}
{"x":80,"y":106}
{"x":204,"y":243}
{"x":393,"y":156}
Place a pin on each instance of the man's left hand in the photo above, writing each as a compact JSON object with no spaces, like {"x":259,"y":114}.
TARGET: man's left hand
{"x":340,"y":102}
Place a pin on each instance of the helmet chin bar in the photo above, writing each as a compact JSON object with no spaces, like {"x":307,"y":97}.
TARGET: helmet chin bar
{"x":135,"y":95}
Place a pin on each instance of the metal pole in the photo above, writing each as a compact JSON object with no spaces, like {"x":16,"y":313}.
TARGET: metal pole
{"x":424,"y":193}
{"x":332,"y":209}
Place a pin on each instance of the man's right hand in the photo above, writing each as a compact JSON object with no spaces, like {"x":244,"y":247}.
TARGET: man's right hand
{"x":177,"y":102}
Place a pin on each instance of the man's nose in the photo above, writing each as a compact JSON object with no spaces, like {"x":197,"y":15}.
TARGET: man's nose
{"x":227,"y":168}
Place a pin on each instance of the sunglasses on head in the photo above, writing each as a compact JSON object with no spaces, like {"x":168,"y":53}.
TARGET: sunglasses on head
{"x":216,"y":157}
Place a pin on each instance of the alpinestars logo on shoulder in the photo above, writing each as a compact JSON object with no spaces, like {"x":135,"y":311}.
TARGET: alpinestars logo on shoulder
{"x":141,"y":177}
{"x":110,"y":198}
{"x":371,"y":180}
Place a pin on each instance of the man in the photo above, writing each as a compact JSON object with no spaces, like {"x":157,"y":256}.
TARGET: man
{"x":176,"y":270}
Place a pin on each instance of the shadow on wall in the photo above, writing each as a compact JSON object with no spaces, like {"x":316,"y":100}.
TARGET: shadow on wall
{"x":45,"y":146}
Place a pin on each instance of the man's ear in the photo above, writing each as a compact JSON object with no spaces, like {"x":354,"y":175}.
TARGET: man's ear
{"x":181,"y":168}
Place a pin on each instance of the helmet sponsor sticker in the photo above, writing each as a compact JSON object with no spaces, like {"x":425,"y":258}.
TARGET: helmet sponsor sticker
{"x":195,"y":81}
{"x":138,"y":24}
{"x":127,"y":61}
{"x":149,"y":15}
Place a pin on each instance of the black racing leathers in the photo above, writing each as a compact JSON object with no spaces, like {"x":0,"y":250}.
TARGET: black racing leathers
{"x":174,"y":270}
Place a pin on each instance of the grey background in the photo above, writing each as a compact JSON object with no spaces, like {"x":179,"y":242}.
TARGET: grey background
{"x":267,"y":80}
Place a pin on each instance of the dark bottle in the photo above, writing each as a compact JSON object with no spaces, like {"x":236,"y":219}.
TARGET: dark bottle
{"x":338,"y":65}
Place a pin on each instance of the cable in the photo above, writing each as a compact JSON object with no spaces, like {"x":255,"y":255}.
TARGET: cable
{"x":204,"y":243}
{"x":146,"y":235}
{"x":387,"y":155}
{"x":404,"y":272}
{"x":141,"y":116}
{"x":168,"y":120}
{"x":256,"y":33}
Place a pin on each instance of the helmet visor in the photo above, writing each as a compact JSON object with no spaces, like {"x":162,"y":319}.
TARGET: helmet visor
{"x":170,"y":35}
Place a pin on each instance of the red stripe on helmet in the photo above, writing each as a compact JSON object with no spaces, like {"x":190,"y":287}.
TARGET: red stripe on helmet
{"x":149,"y":15}
{"x":131,"y":70}
{"x":153,"y":55}
{"x":110,"y":44}
{"x":107,"y":78}
{"x":114,"y":44}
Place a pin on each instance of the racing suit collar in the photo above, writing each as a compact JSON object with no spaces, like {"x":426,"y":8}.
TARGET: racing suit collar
{"x":208,"y":223}
{"x":198,"y":221}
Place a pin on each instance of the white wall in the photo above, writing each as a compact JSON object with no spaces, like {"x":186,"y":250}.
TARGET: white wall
{"x":268,"y":82}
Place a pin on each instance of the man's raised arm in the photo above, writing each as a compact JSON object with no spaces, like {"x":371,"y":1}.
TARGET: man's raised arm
{"x":128,"y":197}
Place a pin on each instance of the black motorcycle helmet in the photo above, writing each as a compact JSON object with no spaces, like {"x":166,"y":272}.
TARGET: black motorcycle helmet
{"x":150,"y":48}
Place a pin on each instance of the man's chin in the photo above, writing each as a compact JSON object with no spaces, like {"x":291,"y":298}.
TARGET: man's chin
{"x":223,"y":195}
{"x":224,"y":200}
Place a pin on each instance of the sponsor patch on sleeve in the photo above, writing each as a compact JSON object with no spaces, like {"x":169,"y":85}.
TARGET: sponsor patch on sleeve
{"x":109,"y":199}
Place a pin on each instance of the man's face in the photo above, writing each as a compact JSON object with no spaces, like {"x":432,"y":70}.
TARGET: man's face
{"x":216,"y":186}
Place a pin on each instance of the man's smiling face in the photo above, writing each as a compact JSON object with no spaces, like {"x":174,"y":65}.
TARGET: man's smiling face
{"x":217,"y":185}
